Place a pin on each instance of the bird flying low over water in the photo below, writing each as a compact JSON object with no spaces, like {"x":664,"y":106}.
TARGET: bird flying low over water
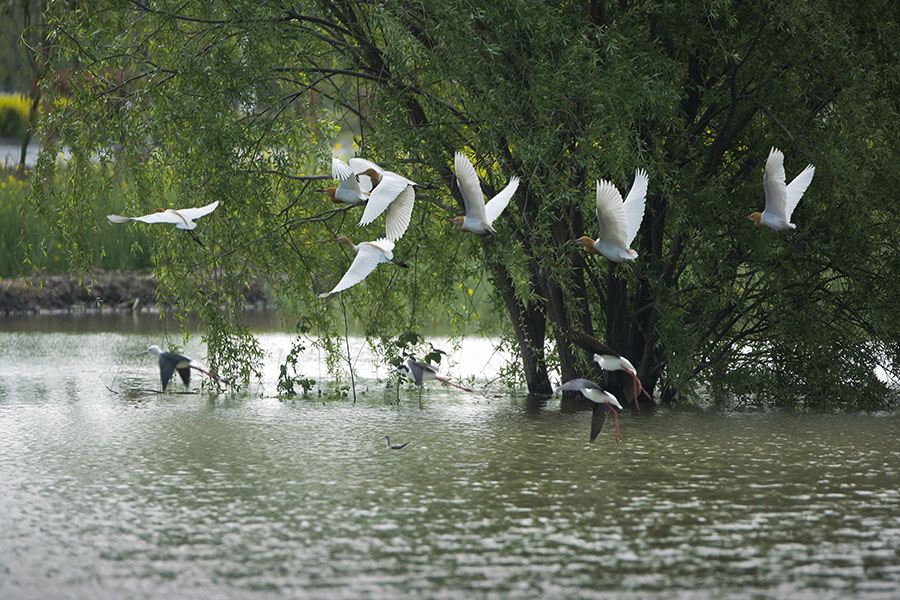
{"x":419,"y":372}
{"x":390,"y":446}
{"x":391,"y":192}
{"x":169,"y":362}
{"x":368,"y":256}
{"x":348,"y":190}
{"x":604,"y":402}
{"x":183,"y":217}
{"x":479,"y":217}
{"x":781,"y":199}
{"x":611,"y":362}
{"x":619,"y":220}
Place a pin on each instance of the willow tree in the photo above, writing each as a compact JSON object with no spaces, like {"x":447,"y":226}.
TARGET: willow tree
{"x":239,"y":101}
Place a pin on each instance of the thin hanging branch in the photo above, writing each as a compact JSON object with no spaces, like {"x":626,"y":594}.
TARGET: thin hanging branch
{"x":347,"y":343}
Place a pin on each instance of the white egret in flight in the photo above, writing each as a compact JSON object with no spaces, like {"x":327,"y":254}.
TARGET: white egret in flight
{"x":368,"y":256}
{"x":781,"y":199}
{"x":618,"y":220}
{"x":479,"y":217}
{"x":391,"y":192}
{"x":348,"y":190}
{"x":183,"y":217}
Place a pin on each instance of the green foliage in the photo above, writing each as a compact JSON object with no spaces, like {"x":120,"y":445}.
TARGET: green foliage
{"x":240,"y":103}
{"x":409,"y":344}
{"x":27,"y":244}
{"x":288,"y":376}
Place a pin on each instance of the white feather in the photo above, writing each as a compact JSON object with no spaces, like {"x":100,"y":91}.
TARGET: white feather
{"x":469,"y":186}
{"x":384,"y":193}
{"x":399,"y":213}
{"x":479,"y":216}
{"x":183,"y":218}
{"x":611,"y":214}
{"x":340,"y":170}
{"x":781,"y":199}
{"x":368,"y":256}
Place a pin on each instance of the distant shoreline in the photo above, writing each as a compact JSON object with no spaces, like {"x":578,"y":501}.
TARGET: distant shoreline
{"x":105,"y":290}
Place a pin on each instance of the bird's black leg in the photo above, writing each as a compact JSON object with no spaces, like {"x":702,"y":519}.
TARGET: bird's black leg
{"x":196,"y":239}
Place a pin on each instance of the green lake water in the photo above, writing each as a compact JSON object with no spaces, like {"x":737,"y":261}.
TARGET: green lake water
{"x":109,"y":491}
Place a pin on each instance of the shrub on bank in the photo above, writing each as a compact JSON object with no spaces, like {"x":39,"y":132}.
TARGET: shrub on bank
{"x":14,"y":109}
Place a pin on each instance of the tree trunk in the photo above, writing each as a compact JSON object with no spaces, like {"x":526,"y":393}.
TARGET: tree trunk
{"x":530,"y":328}
{"x":32,"y":121}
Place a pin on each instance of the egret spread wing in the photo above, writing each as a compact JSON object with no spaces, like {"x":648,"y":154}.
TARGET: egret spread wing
{"x":369,"y":256}
{"x":398,"y":214}
{"x":118,"y":218}
{"x":195,"y":213}
{"x":340,"y":170}
{"x":498,"y":203}
{"x":358,"y":165}
{"x":469,"y":187}
{"x":384,"y":193}
{"x":634,"y":205}
{"x":773,"y":184}
{"x":796,"y":188}
{"x":611,"y":214}
{"x":163,"y":216}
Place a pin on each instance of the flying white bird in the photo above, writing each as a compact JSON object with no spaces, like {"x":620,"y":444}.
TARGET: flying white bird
{"x":781,"y":199}
{"x":348,"y":190}
{"x":619,"y":220}
{"x":604,"y":402}
{"x":169,"y":362}
{"x":391,"y":192}
{"x":479,"y":217}
{"x":368,"y":256}
{"x":183,"y":218}
{"x":611,"y":362}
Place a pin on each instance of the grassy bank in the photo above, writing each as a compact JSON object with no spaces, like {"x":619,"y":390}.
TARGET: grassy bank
{"x":27,"y":246}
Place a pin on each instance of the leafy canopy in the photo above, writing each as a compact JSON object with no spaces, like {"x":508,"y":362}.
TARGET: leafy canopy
{"x":242,"y":101}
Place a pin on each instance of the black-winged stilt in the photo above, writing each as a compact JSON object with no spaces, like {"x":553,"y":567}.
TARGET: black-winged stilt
{"x":603,"y":402}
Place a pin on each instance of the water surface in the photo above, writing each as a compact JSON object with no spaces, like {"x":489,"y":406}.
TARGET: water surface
{"x":109,"y":491}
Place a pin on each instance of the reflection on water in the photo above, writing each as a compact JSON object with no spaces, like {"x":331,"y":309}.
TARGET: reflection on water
{"x":129,"y":494}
